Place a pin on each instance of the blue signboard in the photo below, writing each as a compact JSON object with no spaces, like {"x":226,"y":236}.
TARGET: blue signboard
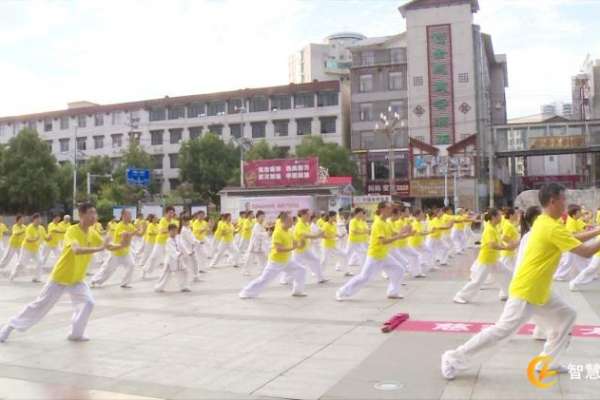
{"x":139,"y":177}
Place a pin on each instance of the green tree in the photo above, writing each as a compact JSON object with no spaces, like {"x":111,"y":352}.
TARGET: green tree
{"x":263,"y":151}
{"x":337,"y":159}
{"x":64,"y":182}
{"x":29,"y":172}
{"x":208,"y":164}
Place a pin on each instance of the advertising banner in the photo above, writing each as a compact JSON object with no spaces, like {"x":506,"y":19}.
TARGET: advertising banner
{"x":281,"y":172}
{"x":273,"y":205}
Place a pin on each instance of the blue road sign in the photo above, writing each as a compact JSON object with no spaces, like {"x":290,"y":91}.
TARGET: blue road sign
{"x":139,"y":177}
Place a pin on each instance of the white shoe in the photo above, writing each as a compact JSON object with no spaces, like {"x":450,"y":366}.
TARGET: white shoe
{"x":339,"y":297}
{"x":573,"y":287}
{"x":460,"y":300}
{"x":395,"y":296}
{"x":244,"y":296}
{"x":5,"y":332}
{"x":447,"y":367}
{"x":78,"y":338}
{"x":503,"y":298}
{"x":299,"y":295}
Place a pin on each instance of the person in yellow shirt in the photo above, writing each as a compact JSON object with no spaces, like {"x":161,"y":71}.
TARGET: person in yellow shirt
{"x":434,"y":241}
{"x":358,"y":238}
{"x":329,"y":250}
{"x":63,"y":226}
{"x":417,"y":240}
{"x":121,"y":257}
{"x":200,"y":230}
{"x":3,"y":230}
{"x":378,"y":257}
{"x":35,"y":234}
{"x":226,"y":245}
{"x":447,"y":217}
{"x":303,"y":254}
{"x":68,"y":275}
{"x":530,"y":292}
{"x":568,"y":261}
{"x":509,"y":233}
{"x":137,"y":242}
{"x":14,"y":242}
{"x":157,"y":257}
{"x":52,"y":241}
{"x":401,"y":251}
{"x":280,"y":261}
{"x":488,"y":261}
{"x":246,"y":231}
{"x":238,"y":226}
{"x":150,"y":234}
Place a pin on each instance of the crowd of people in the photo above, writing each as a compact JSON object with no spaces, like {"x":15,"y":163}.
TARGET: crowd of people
{"x":520,"y":251}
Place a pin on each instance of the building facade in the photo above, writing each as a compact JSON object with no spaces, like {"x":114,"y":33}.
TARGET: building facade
{"x":586,"y":91}
{"x":282,"y":115}
{"x":557,"y":108}
{"x":446,"y":84}
{"x":324,"y":61}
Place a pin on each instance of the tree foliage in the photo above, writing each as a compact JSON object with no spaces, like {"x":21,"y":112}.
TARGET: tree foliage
{"x":337,"y":159}
{"x":263,"y":151}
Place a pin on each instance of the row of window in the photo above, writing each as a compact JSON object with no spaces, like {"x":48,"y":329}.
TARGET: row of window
{"x":395,"y":81}
{"x":366,"y":110}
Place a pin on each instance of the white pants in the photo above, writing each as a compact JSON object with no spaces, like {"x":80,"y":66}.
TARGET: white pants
{"x":110,"y":265}
{"x":157,"y":258}
{"x":371,"y":268}
{"x":27,"y":258}
{"x":438,"y":249}
{"x":81,"y":298}
{"x":479,"y":274}
{"x":413,"y":261}
{"x":310,"y":261}
{"x":556,"y":316}
{"x":200,"y":255}
{"x":183,"y":278}
{"x":335,"y":254}
{"x":222,"y":248}
{"x":243,"y":245}
{"x":259,"y":257}
{"x":569,"y":262}
{"x":8,"y":256}
{"x":356,"y":253}
{"x":588,"y":274}
{"x":458,"y":239}
{"x":449,"y":244}
{"x":425,"y":257}
{"x":47,"y":251}
{"x":145,"y":253}
{"x":509,"y":262}
{"x":271,"y":271}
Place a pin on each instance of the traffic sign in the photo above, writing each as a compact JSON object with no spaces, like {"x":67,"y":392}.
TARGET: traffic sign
{"x":137,"y":176}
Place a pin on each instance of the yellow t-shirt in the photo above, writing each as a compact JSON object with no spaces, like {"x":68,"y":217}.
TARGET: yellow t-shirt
{"x":99,"y":228}
{"x":283,"y":238}
{"x":357,"y":225}
{"x":151,"y":233}
{"x":574,"y":225}
{"x":320,"y":223}
{"x":36,"y":234}
{"x":397,"y":226}
{"x":199,"y":229}
{"x":16,"y":238}
{"x":300,"y":231}
{"x":239,"y":224}
{"x":435,"y":223}
{"x":70,"y":269}
{"x":509,"y":233}
{"x":111,"y":226}
{"x":330,"y":238}
{"x":121,"y":228}
{"x":225,"y":231}
{"x":459,"y":222}
{"x":598,"y":217}
{"x":163,"y":229}
{"x":63,"y":226}
{"x":417,"y":239}
{"x":247,"y":228}
{"x":3,"y":230}
{"x":380,"y":229}
{"x":488,"y":255}
{"x":140,"y":224}
{"x":54,"y":234}
{"x":548,"y":238}
{"x":446,"y":220}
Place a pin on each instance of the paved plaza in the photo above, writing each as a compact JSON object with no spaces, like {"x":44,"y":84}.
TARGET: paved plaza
{"x":209,"y":344}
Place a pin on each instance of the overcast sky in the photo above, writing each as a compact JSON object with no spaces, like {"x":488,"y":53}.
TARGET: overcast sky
{"x":54,"y":52}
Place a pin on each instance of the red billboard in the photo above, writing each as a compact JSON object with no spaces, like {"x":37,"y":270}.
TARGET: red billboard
{"x":281,"y":172}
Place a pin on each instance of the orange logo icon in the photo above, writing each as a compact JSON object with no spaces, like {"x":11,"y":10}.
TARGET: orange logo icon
{"x":536,"y":378}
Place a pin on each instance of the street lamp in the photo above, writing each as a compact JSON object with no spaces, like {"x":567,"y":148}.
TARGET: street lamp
{"x":450,"y":161}
{"x":389,"y":123}
{"x":244,"y":143}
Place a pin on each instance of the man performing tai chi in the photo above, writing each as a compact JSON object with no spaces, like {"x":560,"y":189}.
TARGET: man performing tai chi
{"x":80,"y":243}
{"x":530,"y":292}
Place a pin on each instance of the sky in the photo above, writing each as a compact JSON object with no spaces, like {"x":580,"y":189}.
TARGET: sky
{"x":109,"y":51}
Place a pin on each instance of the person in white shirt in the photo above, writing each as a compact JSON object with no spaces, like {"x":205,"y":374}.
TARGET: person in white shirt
{"x":188,"y":243}
{"x":258,"y":246}
{"x":173,"y":264}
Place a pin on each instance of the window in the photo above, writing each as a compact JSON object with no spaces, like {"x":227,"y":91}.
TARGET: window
{"x":463,"y":78}
{"x":47,"y":125}
{"x":115,"y":162}
{"x":174,"y":183}
{"x":116,"y":118}
{"x":325,"y":99}
{"x":398,"y":55}
{"x":216,"y":108}
{"x":328,"y":124}
{"x":196,"y":110}
{"x":64,"y":145}
{"x":259,"y":103}
{"x":31,"y":125}
{"x":417,"y":81}
{"x":177,"y":112}
{"x":397,"y":107}
{"x":81,"y":121}
{"x":396,"y":81}
{"x":195,"y":132}
{"x":81,"y":143}
{"x":217,"y":129}
{"x":259,"y":129}
{"x":235,"y":130}
{"x":366,"y":112}
{"x":64,"y":122}
{"x":441,"y":139}
{"x":281,"y":102}
{"x":173,"y":160}
{"x":175,"y":136}
{"x":366,"y":83}
{"x":49,"y":144}
{"x":157,"y":114}
{"x":281,"y":127}
{"x":157,"y":161}
{"x":156,"y":138}
{"x":551,"y":158}
{"x":304,"y":100}
{"x":368,"y":58}
{"x":117,"y":140}
{"x":304,"y":126}
{"x":235,"y":106}
{"x":98,"y":142}
{"x":134,"y":137}
{"x":98,"y":120}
